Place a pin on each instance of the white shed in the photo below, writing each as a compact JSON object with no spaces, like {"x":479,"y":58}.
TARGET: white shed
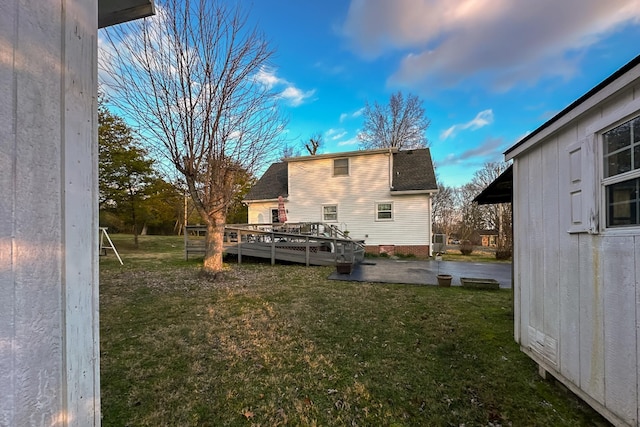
{"x":576,"y":203}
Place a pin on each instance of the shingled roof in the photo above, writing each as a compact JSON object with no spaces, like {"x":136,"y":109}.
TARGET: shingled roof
{"x":274,"y":183}
{"x":413,"y":171}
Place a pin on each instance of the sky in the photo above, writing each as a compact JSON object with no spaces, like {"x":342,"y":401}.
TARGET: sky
{"x":489,"y":72}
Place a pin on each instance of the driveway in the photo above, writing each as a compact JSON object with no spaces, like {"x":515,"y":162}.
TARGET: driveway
{"x":386,"y":270}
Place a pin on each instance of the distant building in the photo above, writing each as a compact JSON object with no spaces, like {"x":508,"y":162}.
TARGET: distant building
{"x":381,"y":196}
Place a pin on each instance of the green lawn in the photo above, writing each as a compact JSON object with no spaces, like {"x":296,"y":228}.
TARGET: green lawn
{"x":283,"y":345}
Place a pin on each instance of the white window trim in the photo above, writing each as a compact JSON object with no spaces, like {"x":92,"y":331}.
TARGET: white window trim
{"x":333,"y":166}
{"x":376,"y":211}
{"x":623,"y":114}
{"x":322,"y":212}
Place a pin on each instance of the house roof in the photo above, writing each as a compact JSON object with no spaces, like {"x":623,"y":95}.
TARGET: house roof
{"x":413,"y":171}
{"x":274,"y":183}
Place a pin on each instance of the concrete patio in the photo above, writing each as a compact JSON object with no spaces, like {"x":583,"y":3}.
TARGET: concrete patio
{"x":387,"y":270}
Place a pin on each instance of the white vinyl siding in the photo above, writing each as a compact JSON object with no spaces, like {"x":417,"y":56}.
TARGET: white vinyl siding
{"x":261,"y":212}
{"x":356,"y":195}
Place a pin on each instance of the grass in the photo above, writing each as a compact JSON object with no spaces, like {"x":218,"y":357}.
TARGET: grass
{"x":282,"y":345}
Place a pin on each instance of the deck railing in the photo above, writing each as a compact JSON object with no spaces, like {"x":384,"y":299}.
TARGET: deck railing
{"x":310,"y":243}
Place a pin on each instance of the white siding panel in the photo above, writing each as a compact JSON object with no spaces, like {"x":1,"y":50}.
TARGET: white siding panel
{"x":569,"y":281}
{"x":260,"y":212}
{"x":522,"y":280}
{"x":619,"y":327}
{"x":636,"y":245}
{"x":591,"y":318}
{"x":536,"y":242}
{"x":550,"y":267}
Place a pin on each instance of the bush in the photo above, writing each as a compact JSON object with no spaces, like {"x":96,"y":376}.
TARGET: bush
{"x":466,"y":247}
{"x":503,"y":254}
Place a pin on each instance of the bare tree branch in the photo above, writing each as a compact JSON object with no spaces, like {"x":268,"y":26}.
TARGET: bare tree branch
{"x":402,"y":124}
{"x":186,"y":80}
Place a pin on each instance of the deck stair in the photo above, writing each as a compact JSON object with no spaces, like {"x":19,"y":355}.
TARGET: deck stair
{"x":305,"y":243}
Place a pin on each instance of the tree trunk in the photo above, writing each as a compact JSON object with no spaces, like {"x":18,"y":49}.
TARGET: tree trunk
{"x":214,"y":244}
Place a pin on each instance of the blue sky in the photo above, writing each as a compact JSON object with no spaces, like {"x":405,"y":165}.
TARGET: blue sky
{"x":489,"y":71}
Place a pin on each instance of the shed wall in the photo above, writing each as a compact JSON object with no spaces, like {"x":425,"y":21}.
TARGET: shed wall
{"x":49,"y":346}
{"x":576,"y":283}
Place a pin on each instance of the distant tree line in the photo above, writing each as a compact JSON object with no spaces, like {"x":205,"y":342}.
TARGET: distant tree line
{"x":134,"y":196}
{"x":456,"y":214}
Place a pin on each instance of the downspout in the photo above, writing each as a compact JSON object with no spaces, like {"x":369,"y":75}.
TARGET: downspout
{"x":390,"y":169}
{"x":431,"y":225}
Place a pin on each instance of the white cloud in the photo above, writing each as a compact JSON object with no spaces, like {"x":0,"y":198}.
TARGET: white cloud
{"x":490,"y":150}
{"x":295,"y":96}
{"x":482,"y":119}
{"x":446,"y":42}
{"x":292,"y":94}
{"x":267,"y":77}
{"x":349,"y":142}
{"x":335,"y":134}
{"x":354,"y":115}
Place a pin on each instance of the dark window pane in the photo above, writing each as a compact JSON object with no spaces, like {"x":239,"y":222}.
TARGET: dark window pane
{"x":636,"y":129}
{"x":636,"y":157}
{"x":623,"y":203}
{"x":618,"y":163}
{"x":341,"y":167}
{"x":617,"y":138}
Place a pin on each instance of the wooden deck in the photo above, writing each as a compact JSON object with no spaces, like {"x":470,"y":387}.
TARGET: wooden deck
{"x":303,"y":243}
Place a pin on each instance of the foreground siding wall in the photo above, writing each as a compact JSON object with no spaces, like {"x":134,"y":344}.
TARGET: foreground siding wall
{"x":49,"y":346}
{"x":577,"y":298}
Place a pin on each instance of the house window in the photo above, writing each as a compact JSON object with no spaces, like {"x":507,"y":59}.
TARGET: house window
{"x":330,"y":213}
{"x":621,"y":153}
{"x":274,"y":215}
{"x":384,"y":211}
{"x":340,"y":167}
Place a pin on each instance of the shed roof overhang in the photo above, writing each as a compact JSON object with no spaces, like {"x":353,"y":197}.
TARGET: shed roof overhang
{"x":499,"y":191}
{"x":112,"y":12}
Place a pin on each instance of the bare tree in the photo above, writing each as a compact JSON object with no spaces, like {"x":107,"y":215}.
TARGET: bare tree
{"x":315,"y":141}
{"x":498,"y":216}
{"x":188,"y":79}
{"x":472,"y":215}
{"x":288,"y":151}
{"x":401,"y":124}
{"x":445,"y":213}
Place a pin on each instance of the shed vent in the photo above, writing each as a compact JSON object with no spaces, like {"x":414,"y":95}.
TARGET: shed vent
{"x":543,"y":345}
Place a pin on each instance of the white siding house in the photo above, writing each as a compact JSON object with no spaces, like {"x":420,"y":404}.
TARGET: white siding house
{"x":576,"y":203}
{"x":380,"y":196}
